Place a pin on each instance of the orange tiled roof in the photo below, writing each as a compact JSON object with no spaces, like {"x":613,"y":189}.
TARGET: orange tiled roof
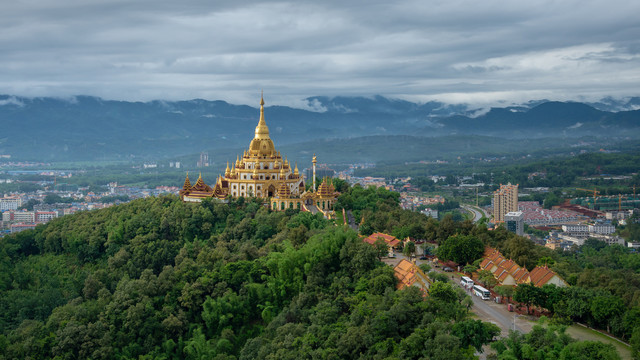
{"x":405,"y":272}
{"x":388,"y":239}
{"x":540,"y":275}
{"x":485,"y":263}
{"x":504,"y":267}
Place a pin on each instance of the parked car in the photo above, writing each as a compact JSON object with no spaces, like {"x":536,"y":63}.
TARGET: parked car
{"x":423,"y":258}
{"x":447,"y":269}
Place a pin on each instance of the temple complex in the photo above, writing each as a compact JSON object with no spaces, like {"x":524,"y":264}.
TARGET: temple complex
{"x":262,"y":172}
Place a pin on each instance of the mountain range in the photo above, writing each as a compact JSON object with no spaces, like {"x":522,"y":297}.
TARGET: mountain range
{"x":89,"y":128}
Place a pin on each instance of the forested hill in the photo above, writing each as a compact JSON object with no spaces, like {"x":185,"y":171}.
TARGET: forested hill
{"x":160,"y":279}
{"x":90,"y":128}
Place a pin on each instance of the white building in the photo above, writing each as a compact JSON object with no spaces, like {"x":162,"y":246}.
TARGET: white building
{"x":602,"y":228}
{"x":10,"y":203}
{"x":579,"y":230}
{"x":28,"y":216}
{"x":45,"y":216}
{"x":431,"y":213}
{"x":610,"y":240}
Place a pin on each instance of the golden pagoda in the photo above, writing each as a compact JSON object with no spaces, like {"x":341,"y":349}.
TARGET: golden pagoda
{"x":262,"y":172}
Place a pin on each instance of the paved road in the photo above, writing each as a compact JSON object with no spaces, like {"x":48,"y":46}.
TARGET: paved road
{"x":477,"y":215}
{"x":486,"y":310}
{"x":352,"y":221}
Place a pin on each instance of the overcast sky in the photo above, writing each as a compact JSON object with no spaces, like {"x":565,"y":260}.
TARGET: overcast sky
{"x":454,"y":51}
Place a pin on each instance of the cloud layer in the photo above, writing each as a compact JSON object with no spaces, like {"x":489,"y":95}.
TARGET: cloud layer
{"x":454,"y":51}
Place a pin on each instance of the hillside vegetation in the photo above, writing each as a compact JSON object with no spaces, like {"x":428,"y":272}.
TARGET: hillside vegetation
{"x":158,"y":279}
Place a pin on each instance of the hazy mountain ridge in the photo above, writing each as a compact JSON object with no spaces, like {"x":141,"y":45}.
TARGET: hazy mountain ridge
{"x":90,"y":128}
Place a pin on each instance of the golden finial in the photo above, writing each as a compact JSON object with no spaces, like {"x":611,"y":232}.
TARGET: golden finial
{"x":262,"y":131}
{"x":296,"y":172}
{"x":261,"y":97}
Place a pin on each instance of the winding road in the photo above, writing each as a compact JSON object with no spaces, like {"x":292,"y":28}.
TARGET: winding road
{"x":477,"y":213}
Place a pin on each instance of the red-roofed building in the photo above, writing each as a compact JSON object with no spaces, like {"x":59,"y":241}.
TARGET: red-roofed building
{"x":408,"y":274}
{"x":508,"y":272}
{"x":391,"y":241}
{"x":542,"y":275}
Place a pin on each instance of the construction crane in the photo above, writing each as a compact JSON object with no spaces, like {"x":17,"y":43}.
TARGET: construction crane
{"x":619,"y":202}
{"x":595,"y":195}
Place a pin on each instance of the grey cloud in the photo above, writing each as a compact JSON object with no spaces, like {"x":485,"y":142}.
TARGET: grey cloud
{"x":492,"y":50}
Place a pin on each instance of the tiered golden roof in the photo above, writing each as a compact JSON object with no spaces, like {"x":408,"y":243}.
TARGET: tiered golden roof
{"x":187,"y":183}
{"x":261,"y":171}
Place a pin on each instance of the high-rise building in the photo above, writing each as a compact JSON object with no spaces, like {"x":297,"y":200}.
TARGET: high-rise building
{"x":505,"y":200}
{"x":514,"y":222}
{"x":204,"y":159}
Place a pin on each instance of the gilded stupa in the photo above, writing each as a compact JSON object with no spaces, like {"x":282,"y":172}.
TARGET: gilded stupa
{"x":262,"y":172}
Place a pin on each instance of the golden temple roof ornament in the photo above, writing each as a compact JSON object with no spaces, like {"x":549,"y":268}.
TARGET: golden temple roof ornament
{"x":263,"y":171}
{"x":187,"y":183}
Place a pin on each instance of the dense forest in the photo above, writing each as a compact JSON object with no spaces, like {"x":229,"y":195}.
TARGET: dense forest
{"x":560,"y":171}
{"x":158,"y":279}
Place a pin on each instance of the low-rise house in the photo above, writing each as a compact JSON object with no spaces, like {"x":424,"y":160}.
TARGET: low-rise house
{"x":508,"y":272}
{"x":542,"y":275}
{"x":409,"y":274}
{"x":391,"y":241}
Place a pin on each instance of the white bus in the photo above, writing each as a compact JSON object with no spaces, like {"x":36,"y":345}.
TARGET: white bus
{"x":466,"y":282}
{"x":481,"y":292}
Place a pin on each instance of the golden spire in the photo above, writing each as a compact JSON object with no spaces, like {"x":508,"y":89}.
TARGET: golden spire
{"x":315,"y":160}
{"x":296,"y":172}
{"x":262,"y":131}
{"x":237,"y":161}
{"x":227,"y":171}
{"x":187,"y":183}
{"x":233,"y":171}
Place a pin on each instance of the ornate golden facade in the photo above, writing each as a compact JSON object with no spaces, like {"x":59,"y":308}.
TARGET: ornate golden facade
{"x":264,"y":173}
